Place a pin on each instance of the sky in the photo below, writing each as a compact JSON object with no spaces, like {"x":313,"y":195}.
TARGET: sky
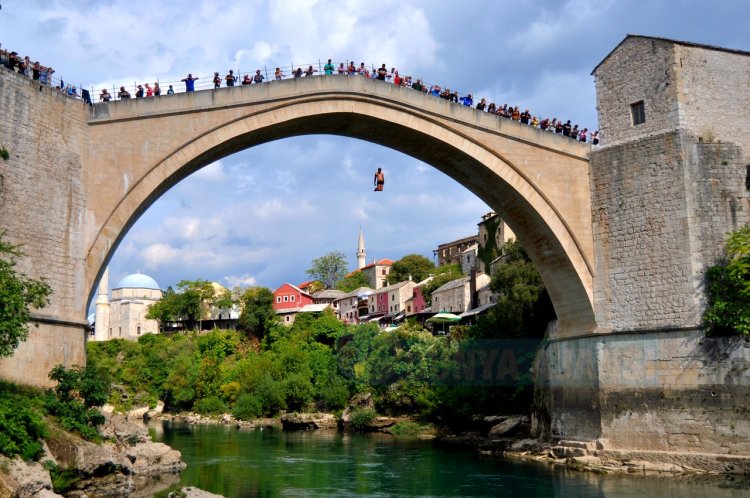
{"x":260,"y":216}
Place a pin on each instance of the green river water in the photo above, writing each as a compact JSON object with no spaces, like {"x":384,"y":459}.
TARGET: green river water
{"x":269,"y":463}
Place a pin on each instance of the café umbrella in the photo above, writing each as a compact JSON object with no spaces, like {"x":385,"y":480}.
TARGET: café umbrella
{"x":444,"y":317}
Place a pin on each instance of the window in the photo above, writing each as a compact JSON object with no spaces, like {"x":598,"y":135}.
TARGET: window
{"x":291,"y":298}
{"x":139,"y":330}
{"x":286,"y":298}
{"x":286,"y":318}
{"x":278,"y":299}
{"x":638,"y":113}
{"x":408,"y":308}
{"x":383,"y":271}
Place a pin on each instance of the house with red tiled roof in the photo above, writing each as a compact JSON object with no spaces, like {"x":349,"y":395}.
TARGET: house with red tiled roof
{"x":377,"y":272}
{"x":288,"y":300}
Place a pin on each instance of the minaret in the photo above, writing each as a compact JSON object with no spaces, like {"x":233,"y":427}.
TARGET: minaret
{"x":361,"y":257}
{"x":101,"y":328}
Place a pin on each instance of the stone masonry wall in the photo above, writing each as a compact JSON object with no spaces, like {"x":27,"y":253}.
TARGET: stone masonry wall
{"x":661,"y":209}
{"x":714,"y":94}
{"x":660,"y":391}
{"x":695,"y":88}
{"x":640,"y":69}
{"x":42,"y":208}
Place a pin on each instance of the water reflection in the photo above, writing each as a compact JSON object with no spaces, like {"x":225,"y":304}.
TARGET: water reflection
{"x":266,"y":463}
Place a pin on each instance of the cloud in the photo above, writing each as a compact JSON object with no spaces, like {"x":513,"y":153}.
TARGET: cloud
{"x":214,"y":172}
{"x":243,"y":280}
{"x":155,"y":255}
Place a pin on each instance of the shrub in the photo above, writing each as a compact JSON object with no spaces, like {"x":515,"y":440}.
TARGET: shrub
{"x":728,"y":287}
{"x":270,"y":393}
{"x":210,"y":405}
{"x":298,"y":391}
{"x":63,"y":480}
{"x":333,"y":394}
{"x":247,"y":407}
{"x":360,"y":420}
{"x":21,"y":427}
{"x":75,"y":398}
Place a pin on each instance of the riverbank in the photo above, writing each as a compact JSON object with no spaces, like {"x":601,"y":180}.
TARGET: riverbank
{"x":126,"y":463}
{"x":510,"y":437}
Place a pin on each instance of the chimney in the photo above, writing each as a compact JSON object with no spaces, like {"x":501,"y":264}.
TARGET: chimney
{"x":473,"y":294}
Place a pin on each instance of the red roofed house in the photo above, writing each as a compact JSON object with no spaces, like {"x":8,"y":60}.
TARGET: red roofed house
{"x":377,"y":272}
{"x":288,"y":300}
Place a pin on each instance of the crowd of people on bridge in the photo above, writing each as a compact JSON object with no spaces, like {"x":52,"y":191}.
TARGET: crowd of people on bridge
{"x":43,"y":74}
{"x":37,"y":72}
{"x":513,"y":113}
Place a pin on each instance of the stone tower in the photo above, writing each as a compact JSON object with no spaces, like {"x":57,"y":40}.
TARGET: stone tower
{"x":361,"y":256}
{"x":101,"y":326}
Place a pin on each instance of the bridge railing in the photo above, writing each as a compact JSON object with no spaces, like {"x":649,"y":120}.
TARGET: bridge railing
{"x":205,"y":82}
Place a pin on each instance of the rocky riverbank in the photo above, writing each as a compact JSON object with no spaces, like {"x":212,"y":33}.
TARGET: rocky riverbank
{"x":127,"y":463}
{"x":509,"y":436}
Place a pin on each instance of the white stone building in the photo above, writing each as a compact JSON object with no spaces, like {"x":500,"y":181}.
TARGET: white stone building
{"x":123,"y":316}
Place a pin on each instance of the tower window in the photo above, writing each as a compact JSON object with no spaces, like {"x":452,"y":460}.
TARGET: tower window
{"x":638,"y":113}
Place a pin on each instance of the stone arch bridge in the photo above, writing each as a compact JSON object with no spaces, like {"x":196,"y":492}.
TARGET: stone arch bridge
{"x":619,"y":272}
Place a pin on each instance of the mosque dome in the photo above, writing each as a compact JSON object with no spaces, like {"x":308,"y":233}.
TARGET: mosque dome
{"x":137,"y":281}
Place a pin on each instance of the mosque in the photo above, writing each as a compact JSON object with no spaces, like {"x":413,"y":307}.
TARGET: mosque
{"x":124,"y":315}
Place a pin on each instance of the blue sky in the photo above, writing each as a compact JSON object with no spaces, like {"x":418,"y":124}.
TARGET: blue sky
{"x":260,"y":216}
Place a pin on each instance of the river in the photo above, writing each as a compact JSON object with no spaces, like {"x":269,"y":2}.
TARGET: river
{"x":269,"y":463}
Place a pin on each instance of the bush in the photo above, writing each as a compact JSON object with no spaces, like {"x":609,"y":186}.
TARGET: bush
{"x":270,"y":393}
{"x":75,"y":398}
{"x":63,"y":480}
{"x":298,"y":392}
{"x":333,"y":394}
{"x":209,"y":406}
{"x":728,"y":287}
{"x":21,"y":427}
{"x":247,"y":407}
{"x":360,"y":420}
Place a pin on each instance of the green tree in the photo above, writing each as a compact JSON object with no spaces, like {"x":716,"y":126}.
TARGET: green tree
{"x":258,"y":315}
{"x":165,"y":309}
{"x":443,"y":275}
{"x":412,"y":266}
{"x":728,"y":287}
{"x":354,"y":281}
{"x":18,"y":294}
{"x":329,"y":269}
{"x":523,"y":306}
{"x":206,"y":299}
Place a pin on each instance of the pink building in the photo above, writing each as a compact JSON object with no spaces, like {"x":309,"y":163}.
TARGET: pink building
{"x":290,"y":297}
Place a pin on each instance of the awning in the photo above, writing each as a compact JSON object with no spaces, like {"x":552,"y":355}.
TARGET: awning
{"x":477,"y":310}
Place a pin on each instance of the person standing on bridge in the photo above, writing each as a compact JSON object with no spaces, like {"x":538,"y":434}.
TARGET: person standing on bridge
{"x":231,"y":78}
{"x":217,"y":81}
{"x":379,"y":180}
{"x":382,"y":73}
{"x":258,"y":78}
{"x":329,"y":67}
{"x":190,"y":83}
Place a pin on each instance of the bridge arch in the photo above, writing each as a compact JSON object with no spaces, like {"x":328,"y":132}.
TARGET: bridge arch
{"x":494,"y":165}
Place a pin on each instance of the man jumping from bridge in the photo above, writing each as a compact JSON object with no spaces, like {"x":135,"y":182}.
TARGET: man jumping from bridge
{"x":379,"y":180}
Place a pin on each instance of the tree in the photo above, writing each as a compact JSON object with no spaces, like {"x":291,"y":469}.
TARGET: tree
{"x":18,"y":294}
{"x":258,"y":315}
{"x":354,"y":281}
{"x":728,"y":287}
{"x":329,"y":269}
{"x":186,"y":304}
{"x":523,"y":306}
{"x":412,"y":266}
{"x":443,"y":275}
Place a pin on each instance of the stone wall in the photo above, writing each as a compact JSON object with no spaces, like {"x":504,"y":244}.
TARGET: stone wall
{"x":639,"y":69}
{"x":661,"y":209}
{"x":664,"y":391}
{"x":42,"y":209}
{"x":700,"y":89}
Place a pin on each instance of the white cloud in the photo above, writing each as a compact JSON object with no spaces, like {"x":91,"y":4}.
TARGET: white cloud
{"x":214,"y":172}
{"x":243,"y":280}
{"x":158,"y":254}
